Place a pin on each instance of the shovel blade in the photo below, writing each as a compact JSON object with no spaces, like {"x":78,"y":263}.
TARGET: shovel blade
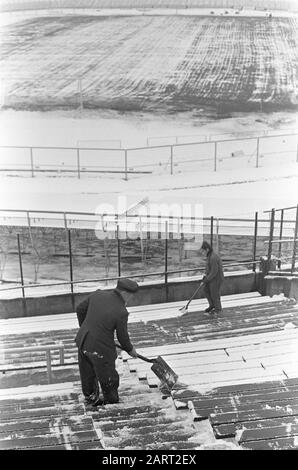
{"x":164,"y":372}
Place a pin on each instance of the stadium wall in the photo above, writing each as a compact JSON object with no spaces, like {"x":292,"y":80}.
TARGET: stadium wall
{"x":19,"y":5}
{"x":150,"y":293}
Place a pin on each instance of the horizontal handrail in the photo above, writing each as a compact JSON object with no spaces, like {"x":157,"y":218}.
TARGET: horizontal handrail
{"x":145,"y":216}
{"x":292,"y":240}
{"x":116,"y":278}
{"x":46,"y":348}
{"x":282,"y":209}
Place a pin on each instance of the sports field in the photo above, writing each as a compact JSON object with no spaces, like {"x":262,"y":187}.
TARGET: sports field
{"x":161,"y":63}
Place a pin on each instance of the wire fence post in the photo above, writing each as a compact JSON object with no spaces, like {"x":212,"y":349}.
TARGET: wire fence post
{"x":166,"y":260}
{"x":295,"y":243}
{"x":172,"y":163}
{"x":78,"y":163}
{"x":125,"y":164}
{"x":22,"y":276}
{"x":31,"y":162}
{"x":271,"y":234}
{"x":211,"y":230}
{"x":118,"y":252}
{"x":258,"y":152}
{"x":255,"y":243}
{"x":70,"y":267}
{"x":280,"y":237}
{"x":215,"y":156}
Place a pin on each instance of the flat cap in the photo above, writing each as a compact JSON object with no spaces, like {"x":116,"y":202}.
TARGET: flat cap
{"x":128,"y":285}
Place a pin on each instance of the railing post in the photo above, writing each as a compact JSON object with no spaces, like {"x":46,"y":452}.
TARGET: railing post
{"x":215,"y":156}
{"x":22,"y":276}
{"x":65,"y":220}
{"x":70,"y":267}
{"x":78,"y":163}
{"x":49,"y":368}
{"x":61,"y":354}
{"x":125,"y":164}
{"x":166,"y":260}
{"x":172,"y":163}
{"x":118,"y":252}
{"x":271,"y":234}
{"x":258,"y":152}
{"x":255,"y":243}
{"x":211,"y":230}
{"x":295,"y":243}
{"x":31,"y":162}
{"x":280,"y":237}
{"x":217,"y":236}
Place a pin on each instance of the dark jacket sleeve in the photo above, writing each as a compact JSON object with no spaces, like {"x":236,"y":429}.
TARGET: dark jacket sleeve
{"x":213,"y":263}
{"x":122,"y":333}
{"x":81,"y":311}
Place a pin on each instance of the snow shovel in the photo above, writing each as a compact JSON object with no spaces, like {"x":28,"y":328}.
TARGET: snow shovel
{"x":185,"y":308}
{"x":160,"y":368}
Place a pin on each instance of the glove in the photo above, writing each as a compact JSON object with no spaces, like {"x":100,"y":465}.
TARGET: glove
{"x":133,"y":353}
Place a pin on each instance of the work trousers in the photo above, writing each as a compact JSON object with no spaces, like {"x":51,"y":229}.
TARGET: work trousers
{"x":94,"y":370}
{"x":212,"y":293}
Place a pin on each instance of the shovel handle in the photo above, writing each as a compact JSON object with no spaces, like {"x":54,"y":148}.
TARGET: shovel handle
{"x":195,"y":292}
{"x":138,"y":355}
{"x":146,"y":359}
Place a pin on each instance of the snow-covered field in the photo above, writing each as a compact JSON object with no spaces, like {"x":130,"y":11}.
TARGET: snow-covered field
{"x":237,"y":188}
{"x":236,"y":191}
{"x":157,"y":62}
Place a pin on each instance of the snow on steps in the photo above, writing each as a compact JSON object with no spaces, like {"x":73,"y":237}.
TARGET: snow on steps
{"x":54,"y":417}
{"x":143,"y":313}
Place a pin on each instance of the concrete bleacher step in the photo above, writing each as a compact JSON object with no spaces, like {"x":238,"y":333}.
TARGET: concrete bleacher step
{"x":144,"y":440}
{"x":272,"y":444}
{"x":266,"y":432}
{"x":236,"y":392}
{"x":229,"y":352}
{"x":203,"y":413}
{"x":82,"y":445}
{"x":144,"y":313}
{"x":60,"y":434}
{"x":56,"y":418}
{"x":32,"y":376}
{"x":266,"y":412}
{"x":223,"y":431}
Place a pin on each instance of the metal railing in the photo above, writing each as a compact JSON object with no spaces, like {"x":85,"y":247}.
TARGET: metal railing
{"x":77,"y":161}
{"x":280,"y":241}
{"x":256,"y":229}
{"x":47,"y":349}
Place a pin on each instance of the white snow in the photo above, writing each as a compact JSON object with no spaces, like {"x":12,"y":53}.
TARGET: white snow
{"x":12,"y":17}
{"x":32,"y":391}
{"x":289,"y":326}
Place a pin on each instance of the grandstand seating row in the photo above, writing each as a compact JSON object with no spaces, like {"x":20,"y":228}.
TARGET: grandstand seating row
{"x":237,"y":374}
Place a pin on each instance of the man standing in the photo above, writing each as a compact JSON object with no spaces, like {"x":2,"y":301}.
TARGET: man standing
{"x":213,"y":279}
{"x":99,"y":316}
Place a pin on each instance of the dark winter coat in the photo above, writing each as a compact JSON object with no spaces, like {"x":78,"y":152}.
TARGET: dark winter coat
{"x":99,"y":316}
{"x":214,"y":269}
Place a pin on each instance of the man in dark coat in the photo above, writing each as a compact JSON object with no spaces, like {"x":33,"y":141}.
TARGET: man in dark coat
{"x":99,"y":316}
{"x":213,"y":279}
